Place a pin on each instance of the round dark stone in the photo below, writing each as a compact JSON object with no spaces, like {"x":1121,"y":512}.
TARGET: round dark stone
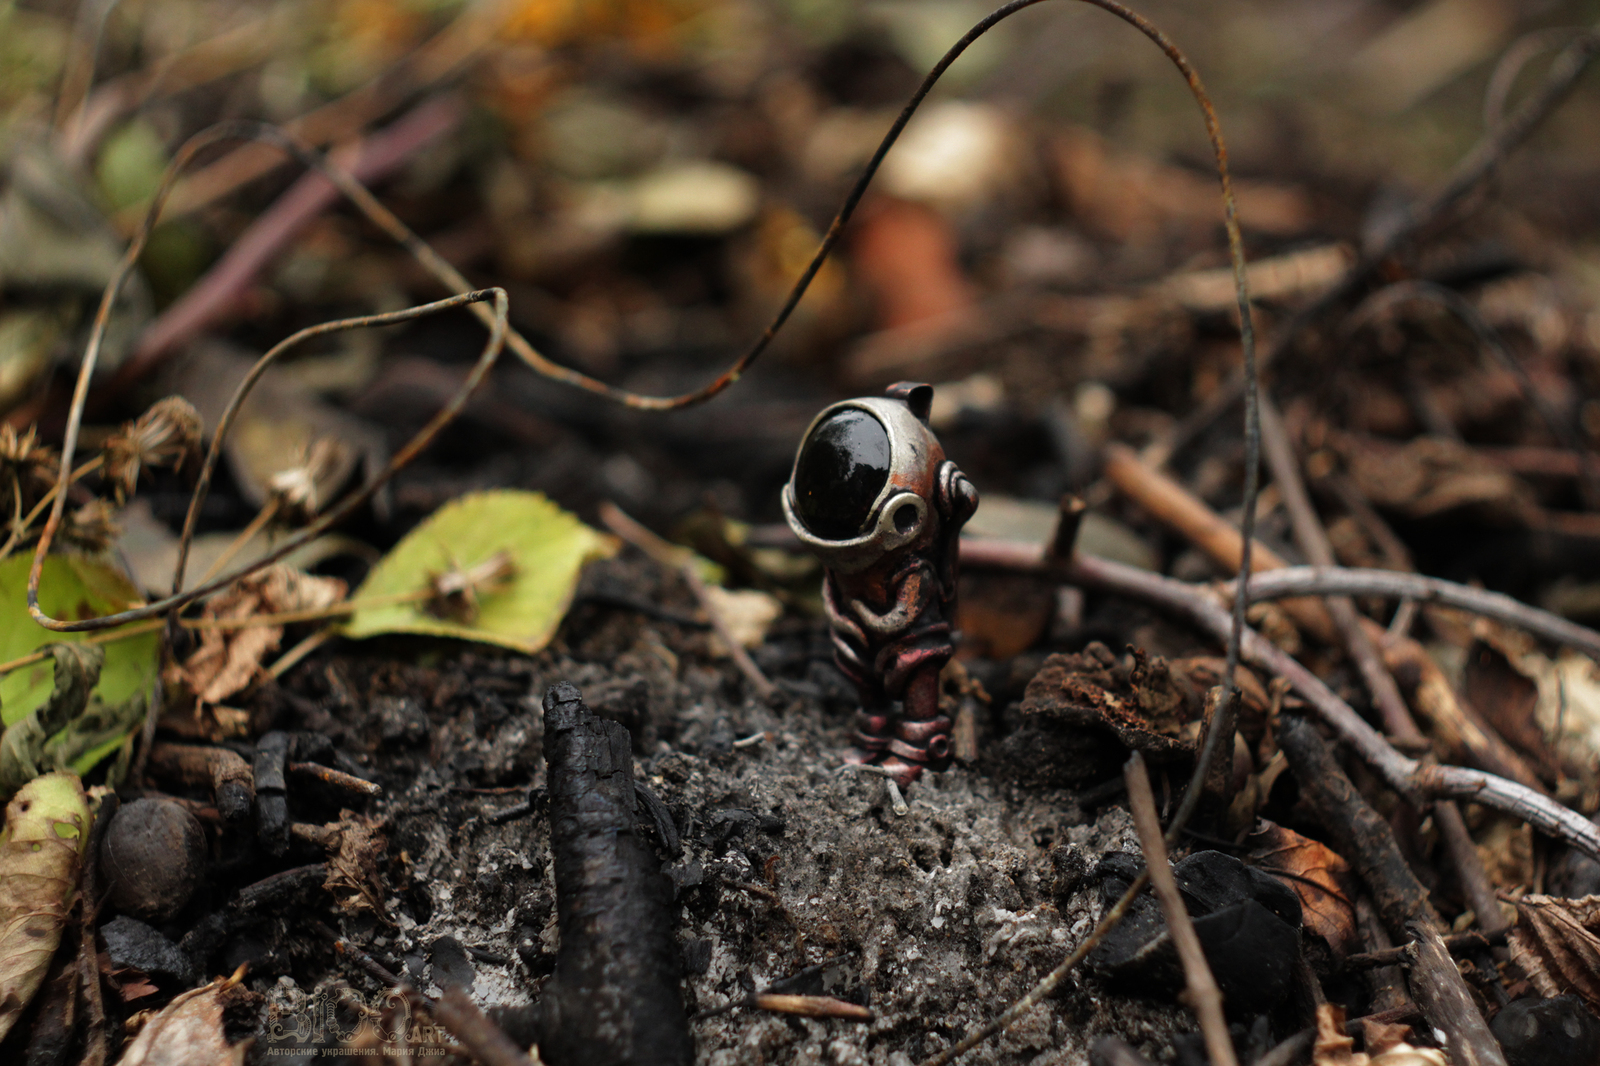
{"x":843,"y":465}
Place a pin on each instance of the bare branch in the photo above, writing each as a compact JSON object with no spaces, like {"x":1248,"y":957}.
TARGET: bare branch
{"x":1406,"y":776}
{"x":1397,"y":585}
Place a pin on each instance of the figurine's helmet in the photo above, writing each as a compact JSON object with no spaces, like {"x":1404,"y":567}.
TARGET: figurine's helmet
{"x":865,"y":478}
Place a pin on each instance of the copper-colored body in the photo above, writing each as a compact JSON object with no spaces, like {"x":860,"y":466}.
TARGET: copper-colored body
{"x":890,"y":593}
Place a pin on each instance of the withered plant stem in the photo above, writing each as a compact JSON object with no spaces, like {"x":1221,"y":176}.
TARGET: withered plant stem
{"x":21,"y":525}
{"x":1214,"y":741}
{"x":1203,"y":995}
{"x":268,"y":511}
{"x":338,"y":513}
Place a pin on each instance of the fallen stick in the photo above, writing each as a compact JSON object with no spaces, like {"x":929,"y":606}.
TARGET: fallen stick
{"x":1177,"y":508}
{"x":613,"y":999}
{"x":1406,"y":776}
{"x":1363,"y":648}
{"x":1363,"y":837}
{"x":1187,"y":514}
{"x":1455,"y":942}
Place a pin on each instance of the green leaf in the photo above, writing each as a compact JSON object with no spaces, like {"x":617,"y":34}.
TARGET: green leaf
{"x":546,"y":547}
{"x":72,"y":587}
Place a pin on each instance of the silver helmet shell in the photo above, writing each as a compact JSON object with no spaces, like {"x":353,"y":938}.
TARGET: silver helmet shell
{"x":901,"y":512}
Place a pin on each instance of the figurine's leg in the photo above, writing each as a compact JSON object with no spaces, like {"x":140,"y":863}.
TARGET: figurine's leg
{"x":874,"y":730}
{"x":922,"y":735}
{"x":874,"y":724}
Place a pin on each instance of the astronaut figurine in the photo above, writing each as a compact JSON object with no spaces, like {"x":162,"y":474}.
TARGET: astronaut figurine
{"x":874,"y":498}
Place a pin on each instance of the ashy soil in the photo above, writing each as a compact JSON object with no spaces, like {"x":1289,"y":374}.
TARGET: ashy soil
{"x":791,"y":863}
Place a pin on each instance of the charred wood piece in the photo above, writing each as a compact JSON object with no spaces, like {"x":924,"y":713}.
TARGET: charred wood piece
{"x":226,"y":773}
{"x":272,"y":800}
{"x":613,"y":998}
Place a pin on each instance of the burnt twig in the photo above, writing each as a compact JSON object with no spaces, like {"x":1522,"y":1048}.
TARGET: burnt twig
{"x":613,"y":998}
{"x":1447,"y":1004}
{"x":223,"y":771}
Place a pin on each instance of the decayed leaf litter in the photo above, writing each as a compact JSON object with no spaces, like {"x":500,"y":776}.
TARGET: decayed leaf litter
{"x":1110,"y":336}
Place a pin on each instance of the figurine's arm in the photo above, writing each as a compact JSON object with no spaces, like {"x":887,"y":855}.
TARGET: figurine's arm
{"x":913,"y":592}
{"x":838,"y":614}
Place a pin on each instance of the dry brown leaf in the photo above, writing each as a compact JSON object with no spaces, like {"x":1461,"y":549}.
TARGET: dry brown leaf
{"x":188,"y":1031}
{"x":1319,"y":876}
{"x":1556,"y":943}
{"x":358,"y":845}
{"x":906,"y":254}
{"x":1380,"y":1036}
{"x":1004,"y":614}
{"x":229,"y":660}
{"x":1334,"y":1048}
{"x":1567,"y":705}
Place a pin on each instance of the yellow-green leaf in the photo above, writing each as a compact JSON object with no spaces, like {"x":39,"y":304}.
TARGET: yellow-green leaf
{"x":41,"y":853}
{"x":545,"y":546}
{"x":72,"y":587}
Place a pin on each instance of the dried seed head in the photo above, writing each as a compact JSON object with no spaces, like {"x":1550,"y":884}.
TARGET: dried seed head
{"x":92,"y":527}
{"x":295,"y":489}
{"x":33,"y":464}
{"x":168,"y":434}
{"x":455,"y":592}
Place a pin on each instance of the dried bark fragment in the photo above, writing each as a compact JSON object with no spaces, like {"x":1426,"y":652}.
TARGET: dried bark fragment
{"x":613,"y":999}
{"x":1146,"y":707}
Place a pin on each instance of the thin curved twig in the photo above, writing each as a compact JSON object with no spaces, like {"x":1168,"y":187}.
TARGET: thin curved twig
{"x":1404,"y":775}
{"x":1237,"y":630}
{"x":491,"y":352}
{"x":1204,"y":998}
{"x":1398,"y":585}
{"x":451,"y":278}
